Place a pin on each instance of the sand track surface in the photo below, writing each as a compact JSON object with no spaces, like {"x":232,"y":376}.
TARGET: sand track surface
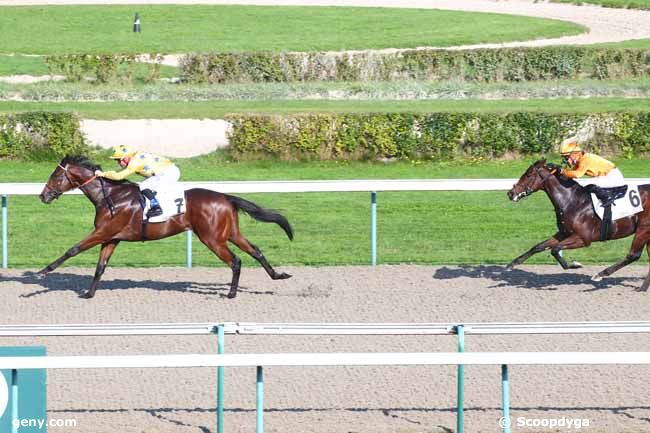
{"x":336,"y":399}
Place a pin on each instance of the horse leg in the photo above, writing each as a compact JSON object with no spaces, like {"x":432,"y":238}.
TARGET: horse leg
{"x":95,"y":238}
{"x":104,"y":257}
{"x":243,"y":243}
{"x":633,"y":255}
{"x":646,"y":282}
{"x":542,"y":246}
{"x":570,"y":243}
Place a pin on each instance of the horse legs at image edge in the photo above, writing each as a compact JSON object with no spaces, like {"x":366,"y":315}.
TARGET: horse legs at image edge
{"x":641,"y":239}
{"x":556,"y":244}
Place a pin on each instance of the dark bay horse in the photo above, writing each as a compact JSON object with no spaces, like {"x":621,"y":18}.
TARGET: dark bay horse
{"x":577,"y":223}
{"x":118,"y":217}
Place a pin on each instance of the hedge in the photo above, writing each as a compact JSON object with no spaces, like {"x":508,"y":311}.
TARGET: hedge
{"x":103,"y":68}
{"x":436,"y":136}
{"x":40,"y":135}
{"x":481,"y":65}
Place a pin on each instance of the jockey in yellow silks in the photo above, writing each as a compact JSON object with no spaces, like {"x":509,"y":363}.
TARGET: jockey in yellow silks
{"x":605,"y":176}
{"x":159,"y":172}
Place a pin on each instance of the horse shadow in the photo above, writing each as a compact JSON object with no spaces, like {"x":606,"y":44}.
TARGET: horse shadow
{"x":522,"y":279}
{"x":69,"y":282}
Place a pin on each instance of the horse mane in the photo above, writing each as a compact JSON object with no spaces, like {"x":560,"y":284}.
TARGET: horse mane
{"x":83,"y":161}
{"x":567,"y":182}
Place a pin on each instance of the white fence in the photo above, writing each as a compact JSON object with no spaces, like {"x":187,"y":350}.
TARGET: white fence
{"x":371,"y":186}
{"x":327,"y":359}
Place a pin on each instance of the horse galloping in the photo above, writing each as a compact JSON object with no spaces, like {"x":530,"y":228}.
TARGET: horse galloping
{"x":577,"y":222}
{"x":213,"y":216}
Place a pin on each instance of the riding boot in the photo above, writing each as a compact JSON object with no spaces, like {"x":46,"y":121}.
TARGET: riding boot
{"x":154,"y":206}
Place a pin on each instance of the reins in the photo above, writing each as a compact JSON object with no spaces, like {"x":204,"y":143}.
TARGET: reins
{"x":107,"y":198}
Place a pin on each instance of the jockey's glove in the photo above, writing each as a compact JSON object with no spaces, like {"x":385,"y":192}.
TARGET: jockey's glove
{"x":555,"y":167}
{"x":99,"y":173}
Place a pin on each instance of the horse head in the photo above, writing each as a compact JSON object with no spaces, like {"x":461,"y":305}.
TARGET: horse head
{"x":532,"y":180}
{"x":71,"y":173}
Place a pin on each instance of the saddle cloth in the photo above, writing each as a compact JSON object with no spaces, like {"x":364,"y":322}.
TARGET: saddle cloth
{"x":625,"y":206}
{"x":171,"y":200}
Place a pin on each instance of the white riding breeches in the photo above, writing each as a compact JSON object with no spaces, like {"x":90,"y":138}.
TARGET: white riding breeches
{"x":161,"y":180}
{"x":612,"y":179}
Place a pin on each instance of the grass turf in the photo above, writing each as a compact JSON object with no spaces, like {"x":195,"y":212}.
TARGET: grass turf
{"x":413,"y":227}
{"x":174,"y":28}
{"x":219,"y":108}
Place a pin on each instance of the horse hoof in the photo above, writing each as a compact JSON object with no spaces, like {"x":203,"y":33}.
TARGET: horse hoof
{"x":282,"y":276}
{"x":508,"y":268}
{"x":641,"y":289}
{"x":576,"y":265}
{"x":597,"y":277}
{"x":44,"y":271}
{"x":86,"y":295}
{"x":231,"y":295}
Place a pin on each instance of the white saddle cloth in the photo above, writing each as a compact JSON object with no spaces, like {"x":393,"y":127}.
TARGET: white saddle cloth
{"x":625,"y":206}
{"x":172,"y":203}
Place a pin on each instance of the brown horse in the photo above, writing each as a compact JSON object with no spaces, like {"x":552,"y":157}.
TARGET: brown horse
{"x":118,"y":217}
{"x":577,"y":222}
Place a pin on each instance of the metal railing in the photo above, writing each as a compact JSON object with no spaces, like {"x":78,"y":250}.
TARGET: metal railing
{"x":248,"y":328}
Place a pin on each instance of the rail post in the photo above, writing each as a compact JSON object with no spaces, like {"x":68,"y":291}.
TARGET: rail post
{"x":373,"y":227}
{"x":188,"y":249}
{"x":505,"y":396}
{"x":4,"y":232}
{"x":260,"y":399}
{"x":14,"y":401}
{"x":220,"y":371}
{"x":460,"y":331}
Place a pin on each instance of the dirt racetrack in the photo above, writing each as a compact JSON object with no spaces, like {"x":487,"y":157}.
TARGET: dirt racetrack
{"x":336,"y":399}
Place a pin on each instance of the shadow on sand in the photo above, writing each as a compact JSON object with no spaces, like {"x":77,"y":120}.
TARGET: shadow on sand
{"x":522,"y":279}
{"x":64,"y":281}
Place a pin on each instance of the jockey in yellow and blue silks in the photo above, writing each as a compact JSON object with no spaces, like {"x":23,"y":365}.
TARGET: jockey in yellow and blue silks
{"x":159,"y":172}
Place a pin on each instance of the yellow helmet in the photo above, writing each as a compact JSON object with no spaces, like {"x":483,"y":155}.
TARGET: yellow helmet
{"x":570,"y":145}
{"x":120,"y":152}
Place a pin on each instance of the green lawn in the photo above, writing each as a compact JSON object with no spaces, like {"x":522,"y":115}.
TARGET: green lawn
{"x":174,"y":28}
{"x":217,"y":109}
{"x":413,"y":227}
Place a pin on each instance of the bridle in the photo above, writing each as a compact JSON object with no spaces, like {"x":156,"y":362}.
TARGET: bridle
{"x":528,"y":190}
{"x":107,"y":198}
{"x":67,"y":176}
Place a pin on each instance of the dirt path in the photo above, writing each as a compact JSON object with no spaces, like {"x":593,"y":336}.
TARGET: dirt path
{"x":337,"y":400}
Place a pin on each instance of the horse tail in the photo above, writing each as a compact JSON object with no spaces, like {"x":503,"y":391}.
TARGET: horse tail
{"x":261,"y":214}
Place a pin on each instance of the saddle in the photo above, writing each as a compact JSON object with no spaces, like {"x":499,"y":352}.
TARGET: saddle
{"x":607,"y":197}
{"x":171,"y":201}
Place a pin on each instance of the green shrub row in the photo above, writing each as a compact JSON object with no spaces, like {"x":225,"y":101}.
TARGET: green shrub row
{"x":40,"y":135}
{"x":435,"y":136}
{"x":483,"y":65}
{"x":103,"y":68}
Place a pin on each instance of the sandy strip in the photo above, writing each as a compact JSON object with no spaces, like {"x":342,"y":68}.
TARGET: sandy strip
{"x":337,"y":399}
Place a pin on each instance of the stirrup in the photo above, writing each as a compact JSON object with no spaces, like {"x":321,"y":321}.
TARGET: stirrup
{"x":154,"y":212}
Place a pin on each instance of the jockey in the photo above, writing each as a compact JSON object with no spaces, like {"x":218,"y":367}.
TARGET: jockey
{"x":158,"y":171}
{"x":607,"y":179}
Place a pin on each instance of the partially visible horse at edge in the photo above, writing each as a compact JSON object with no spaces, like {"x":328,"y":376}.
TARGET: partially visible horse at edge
{"x":577,"y":222}
{"x":213,"y":216}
